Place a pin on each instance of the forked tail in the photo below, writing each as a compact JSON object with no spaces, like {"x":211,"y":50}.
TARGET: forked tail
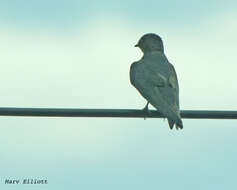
{"x":178,"y":123}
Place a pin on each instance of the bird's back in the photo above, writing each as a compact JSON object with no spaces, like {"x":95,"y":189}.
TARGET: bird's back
{"x":147,"y":76}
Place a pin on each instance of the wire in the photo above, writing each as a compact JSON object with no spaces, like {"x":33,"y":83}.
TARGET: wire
{"x":127,"y":113}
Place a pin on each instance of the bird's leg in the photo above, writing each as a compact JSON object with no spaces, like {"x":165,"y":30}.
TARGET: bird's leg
{"x":146,"y":110}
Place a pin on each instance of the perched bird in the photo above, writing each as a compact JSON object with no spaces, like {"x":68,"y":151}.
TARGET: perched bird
{"x":156,"y":80}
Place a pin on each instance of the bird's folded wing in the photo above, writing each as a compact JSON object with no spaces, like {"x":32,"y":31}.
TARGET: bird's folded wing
{"x":173,"y":81}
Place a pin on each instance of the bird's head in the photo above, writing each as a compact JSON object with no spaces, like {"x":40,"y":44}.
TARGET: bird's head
{"x":150,"y":42}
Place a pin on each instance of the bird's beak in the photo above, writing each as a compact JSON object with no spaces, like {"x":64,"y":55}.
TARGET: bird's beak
{"x":136,"y":45}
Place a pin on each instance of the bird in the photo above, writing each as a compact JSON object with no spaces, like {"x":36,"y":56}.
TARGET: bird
{"x":156,"y":79}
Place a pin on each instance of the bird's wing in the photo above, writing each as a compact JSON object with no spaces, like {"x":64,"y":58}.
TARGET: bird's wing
{"x":173,"y":81}
{"x":170,"y":94}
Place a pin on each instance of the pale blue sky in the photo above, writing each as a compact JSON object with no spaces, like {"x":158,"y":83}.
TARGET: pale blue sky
{"x":77,"y":54}
{"x":71,"y":13}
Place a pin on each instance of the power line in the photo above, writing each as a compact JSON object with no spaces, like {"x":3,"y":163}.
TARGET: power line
{"x":127,"y":113}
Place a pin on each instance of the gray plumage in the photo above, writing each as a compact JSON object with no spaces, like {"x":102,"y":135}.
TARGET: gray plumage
{"x":156,"y":80}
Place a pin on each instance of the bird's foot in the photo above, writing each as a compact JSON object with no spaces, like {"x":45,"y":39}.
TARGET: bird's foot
{"x":146,"y":110}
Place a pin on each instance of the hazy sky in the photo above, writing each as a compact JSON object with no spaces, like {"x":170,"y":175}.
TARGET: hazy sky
{"x":77,"y":54}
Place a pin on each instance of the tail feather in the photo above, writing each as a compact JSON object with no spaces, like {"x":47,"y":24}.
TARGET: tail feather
{"x":171,"y":123}
{"x":178,"y":124}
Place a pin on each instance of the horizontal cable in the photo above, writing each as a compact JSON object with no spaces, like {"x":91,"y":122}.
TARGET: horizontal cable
{"x":132,"y":113}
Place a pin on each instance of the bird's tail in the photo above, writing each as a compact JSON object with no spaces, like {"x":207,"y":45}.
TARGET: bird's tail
{"x":178,"y":123}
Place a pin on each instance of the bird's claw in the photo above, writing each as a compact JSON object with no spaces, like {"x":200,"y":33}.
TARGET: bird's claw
{"x":146,"y":110}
